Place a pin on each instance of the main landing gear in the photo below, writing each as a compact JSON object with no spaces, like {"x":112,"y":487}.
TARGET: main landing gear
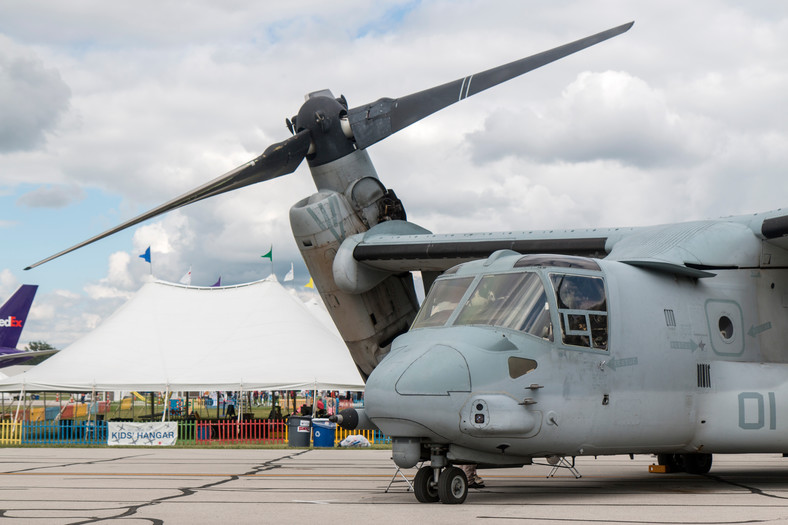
{"x":447,"y":485}
{"x":690,"y":463}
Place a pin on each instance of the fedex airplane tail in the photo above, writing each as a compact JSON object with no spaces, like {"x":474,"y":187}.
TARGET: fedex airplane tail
{"x":13,"y":315}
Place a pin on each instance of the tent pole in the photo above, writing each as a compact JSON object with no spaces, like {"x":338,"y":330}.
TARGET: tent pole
{"x":92,"y":401}
{"x":240,"y":402}
{"x":166,"y":404}
{"x":18,"y":406}
{"x":314,"y":401}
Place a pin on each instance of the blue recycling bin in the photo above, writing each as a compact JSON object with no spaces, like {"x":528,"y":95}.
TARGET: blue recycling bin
{"x":203,"y":432}
{"x":323,"y":432}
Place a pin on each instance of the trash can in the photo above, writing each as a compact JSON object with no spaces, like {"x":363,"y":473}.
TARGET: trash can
{"x":66,"y":429}
{"x":298,"y":429}
{"x":203,"y":432}
{"x":323,"y":432}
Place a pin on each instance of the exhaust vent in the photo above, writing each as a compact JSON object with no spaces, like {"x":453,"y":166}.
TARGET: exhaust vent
{"x":704,"y":375}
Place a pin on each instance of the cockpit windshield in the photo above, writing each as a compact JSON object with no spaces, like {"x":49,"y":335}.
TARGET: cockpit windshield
{"x":441,"y":302}
{"x":510,"y":300}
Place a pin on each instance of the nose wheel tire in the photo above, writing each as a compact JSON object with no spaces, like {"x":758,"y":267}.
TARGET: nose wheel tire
{"x":452,"y":486}
{"x":424,"y":487}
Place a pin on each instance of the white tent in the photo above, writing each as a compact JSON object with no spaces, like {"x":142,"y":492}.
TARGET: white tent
{"x":173,"y":337}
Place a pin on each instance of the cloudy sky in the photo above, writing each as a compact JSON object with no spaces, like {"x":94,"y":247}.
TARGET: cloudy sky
{"x":108,"y":109}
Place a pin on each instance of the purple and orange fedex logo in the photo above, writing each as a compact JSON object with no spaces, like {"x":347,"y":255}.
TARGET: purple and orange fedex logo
{"x":11,"y":322}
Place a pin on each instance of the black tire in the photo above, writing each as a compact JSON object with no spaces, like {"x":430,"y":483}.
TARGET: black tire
{"x":452,"y":486}
{"x":697,"y":463}
{"x":423,"y":486}
{"x":671,"y":461}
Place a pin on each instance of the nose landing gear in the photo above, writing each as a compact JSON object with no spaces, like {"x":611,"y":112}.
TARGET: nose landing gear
{"x":425,"y":486}
{"x":452,"y":485}
{"x":447,"y":485}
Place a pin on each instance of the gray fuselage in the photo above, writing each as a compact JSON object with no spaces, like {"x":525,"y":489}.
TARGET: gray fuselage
{"x":679,"y":367}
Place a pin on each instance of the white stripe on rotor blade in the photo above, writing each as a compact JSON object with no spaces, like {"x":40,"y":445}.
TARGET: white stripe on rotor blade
{"x":462,"y":88}
{"x":468,"y":87}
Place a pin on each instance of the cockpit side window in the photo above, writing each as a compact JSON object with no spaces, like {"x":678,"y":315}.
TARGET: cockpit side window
{"x":511,"y":300}
{"x":441,"y":302}
{"x":582,"y":309}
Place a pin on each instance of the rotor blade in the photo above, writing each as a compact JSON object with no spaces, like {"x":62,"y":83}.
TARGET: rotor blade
{"x":376,"y":121}
{"x":277,"y":160}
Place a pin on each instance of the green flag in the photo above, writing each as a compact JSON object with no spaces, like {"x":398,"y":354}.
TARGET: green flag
{"x":269,"y":255}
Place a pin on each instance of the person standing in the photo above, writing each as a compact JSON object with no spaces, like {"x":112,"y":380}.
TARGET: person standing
{"x":474,"y":480}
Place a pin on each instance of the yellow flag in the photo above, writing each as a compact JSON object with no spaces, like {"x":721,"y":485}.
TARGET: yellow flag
{"x":310,"y":284}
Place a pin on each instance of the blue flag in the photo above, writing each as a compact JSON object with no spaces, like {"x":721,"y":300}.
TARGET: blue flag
{"x":146,"y":255}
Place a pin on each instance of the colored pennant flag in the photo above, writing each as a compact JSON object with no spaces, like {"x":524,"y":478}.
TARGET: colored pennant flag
{"x":187,"y":279}
{"x":290,"y":275}
{"x":146,"y":255}
{"x":217,"y":283}
{"x":310,"y":284}
{"x":269,"y":255}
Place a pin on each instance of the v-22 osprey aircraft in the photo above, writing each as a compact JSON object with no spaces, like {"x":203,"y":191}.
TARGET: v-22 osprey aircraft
{"x":666,"y":340}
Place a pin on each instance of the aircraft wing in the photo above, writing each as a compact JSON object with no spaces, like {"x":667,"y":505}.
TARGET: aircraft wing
{"x":25,"y":355}
{"x":431,"y":252}
{"x":695,"y":249}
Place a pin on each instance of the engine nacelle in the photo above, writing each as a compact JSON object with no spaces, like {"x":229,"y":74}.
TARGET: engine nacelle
{"x":368,"y":321}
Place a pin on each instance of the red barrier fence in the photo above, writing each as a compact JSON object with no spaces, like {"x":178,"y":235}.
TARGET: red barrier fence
{"x":247,"y":431}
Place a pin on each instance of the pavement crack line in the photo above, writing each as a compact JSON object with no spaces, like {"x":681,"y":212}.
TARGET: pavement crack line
{"x":132,"y":510}
{"x":91,"y":462}
{"x":752,"y":490}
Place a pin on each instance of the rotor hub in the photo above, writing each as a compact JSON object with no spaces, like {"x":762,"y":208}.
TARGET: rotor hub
{"x":321,"y":115}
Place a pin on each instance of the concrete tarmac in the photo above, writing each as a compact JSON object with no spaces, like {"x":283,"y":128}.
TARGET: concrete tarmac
{"x":327,"y":486}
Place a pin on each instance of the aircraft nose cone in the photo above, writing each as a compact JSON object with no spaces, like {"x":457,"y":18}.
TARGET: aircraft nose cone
{"x":397,"y":391}
{"x":434,"y":389}
{"x":440,"y":370}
